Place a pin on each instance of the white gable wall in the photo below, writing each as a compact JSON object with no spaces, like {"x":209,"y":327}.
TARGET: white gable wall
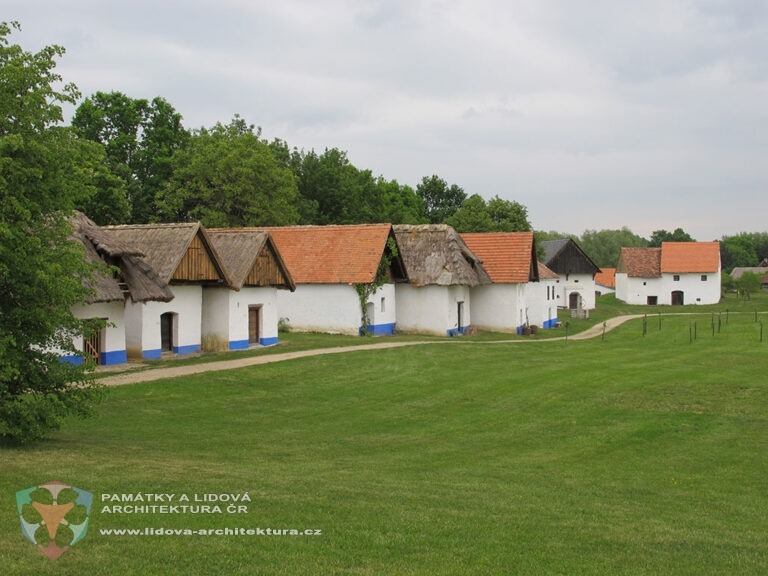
{"x":225,"y":315}
{"x":499,"y":307}
{"x":142,"y":323}
{"x":433,"y":309}
{"x":582,"y":284}
{"x":542,"y":303}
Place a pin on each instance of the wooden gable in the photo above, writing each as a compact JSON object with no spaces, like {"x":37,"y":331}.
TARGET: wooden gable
{"x":196,"y":265}
{"x":267,"y":270}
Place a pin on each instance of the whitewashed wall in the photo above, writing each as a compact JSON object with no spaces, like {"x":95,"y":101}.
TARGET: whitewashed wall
{"x":583,"y":284}
{"x":432,"y":309}
{"x":695,"y":291}
{"x":499,"y":307}
{"x":113,"y":349}
{"x":142,"y":323}
{"x":542,"y":303}
{"x":225,"y":315}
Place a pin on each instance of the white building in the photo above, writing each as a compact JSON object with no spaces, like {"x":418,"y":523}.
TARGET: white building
{"x":516,"y":299}
{"x":576,"y":283}
{"x":246,"y":313}
{"x":185,"y":261}
{"x":675,"y":274}
{"x":334,"y":269}
{"x":441,"y":272}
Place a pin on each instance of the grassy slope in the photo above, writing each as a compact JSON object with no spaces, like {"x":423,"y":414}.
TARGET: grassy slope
{"x":633,"y":455}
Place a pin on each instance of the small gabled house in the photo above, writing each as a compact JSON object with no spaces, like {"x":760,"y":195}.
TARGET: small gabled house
{"x":576,"y":271}
{"x":185,"y":261}
{"x":510,"y":303}
{"x":244,"y":314}
{"x":441,"y":272}
{"x":676,"y":273}
{"x":345,"y":278}
{"x":128,"y":277}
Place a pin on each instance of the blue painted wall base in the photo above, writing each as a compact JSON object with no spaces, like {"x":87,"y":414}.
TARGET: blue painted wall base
{"x":379,"y":329}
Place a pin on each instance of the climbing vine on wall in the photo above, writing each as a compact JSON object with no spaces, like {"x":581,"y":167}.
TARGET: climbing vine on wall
{"x":366,"y":290}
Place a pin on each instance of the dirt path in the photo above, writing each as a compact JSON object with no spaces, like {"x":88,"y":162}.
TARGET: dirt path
{"x":174,"y":371}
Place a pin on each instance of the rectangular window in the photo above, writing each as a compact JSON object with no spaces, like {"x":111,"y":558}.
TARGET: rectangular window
{"x":676,"y":277}
{"x":703,"y":277}
{"x":382,"y":304}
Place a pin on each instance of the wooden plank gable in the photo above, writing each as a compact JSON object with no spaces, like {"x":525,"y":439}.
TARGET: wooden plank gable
{"x":196,"y":265}
{"x":267,"y":270}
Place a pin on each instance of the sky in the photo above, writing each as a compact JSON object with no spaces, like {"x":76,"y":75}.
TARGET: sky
{"x":596,"y":114}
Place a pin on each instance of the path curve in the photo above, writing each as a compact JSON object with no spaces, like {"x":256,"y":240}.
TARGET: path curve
{"x":175,"y":371}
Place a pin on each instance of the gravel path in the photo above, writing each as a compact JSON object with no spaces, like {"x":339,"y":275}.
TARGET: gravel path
{"x":174,"y":371}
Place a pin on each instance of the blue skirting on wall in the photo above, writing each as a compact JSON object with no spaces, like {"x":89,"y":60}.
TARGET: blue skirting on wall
{"x":186,"y":349}
{"x":380,"y":329}
{"x":152,"y":354}
{"x":114,"y":357}
{"x":74,"y":359}
{"x":238,"y":344}
{"x":268,"y":341}
{"x":457,"y":331}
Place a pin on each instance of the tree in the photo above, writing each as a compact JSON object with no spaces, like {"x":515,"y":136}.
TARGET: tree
{"x":659,"y":236}
{"x":604,"y":246}
{"x":496,"y":215}
{"x":440,"y":200}
{"x":747,"y":284}
{"x":44,"y":172}
{"x":227,"y":177}
{"x":139,"y":138}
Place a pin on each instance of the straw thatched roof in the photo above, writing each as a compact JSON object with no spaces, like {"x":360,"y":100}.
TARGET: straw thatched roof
{"x":435,"y":254}
{"x":240,"y":250}
{"x":132,"y":275}
{"x":165,"y":245}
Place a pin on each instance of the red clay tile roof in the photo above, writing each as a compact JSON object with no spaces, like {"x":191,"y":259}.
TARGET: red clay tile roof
{"x":684,"y":257}
{"x":606,"y":277}
{"x":546,"y":273}
{"x":332,"y":254}
{"x":508,"y":257}
{"x":640,"y":262}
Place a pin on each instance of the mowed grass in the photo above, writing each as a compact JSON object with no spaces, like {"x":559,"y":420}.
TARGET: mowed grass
{"x":636,"y":454}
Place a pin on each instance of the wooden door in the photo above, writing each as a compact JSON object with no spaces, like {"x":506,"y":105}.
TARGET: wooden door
{"x":678,"y":298}
{"x":254,"y":318}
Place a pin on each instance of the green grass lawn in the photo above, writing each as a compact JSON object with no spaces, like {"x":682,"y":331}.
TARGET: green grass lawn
{"x":640,"y":453}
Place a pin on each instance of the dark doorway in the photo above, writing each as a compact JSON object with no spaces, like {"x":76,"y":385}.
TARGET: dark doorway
{"x":166,"y":331}
{"x":652,"y":300}
{"x":460,"y":314}
{"x":678,"y":299}
{"x":574,"y":300}
{"x":254,"y":319}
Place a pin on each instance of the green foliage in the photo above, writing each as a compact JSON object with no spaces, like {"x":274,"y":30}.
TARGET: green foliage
{"x":659,"y":236}
{"x":139,"y":138}
{"x":604,"y":246}
{"x":383,"y":275}
{"x":44,"y":172}
{"x":227,"y":177}
{"x":496,"y":215}
{"x":439,"y":200}
{"x":747,"y":284}
{"x":746,"y":249}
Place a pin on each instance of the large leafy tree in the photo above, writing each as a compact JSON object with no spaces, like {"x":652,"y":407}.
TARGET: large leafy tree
{"x":44,"y":172}
{"x":604,"y":246}
{"x":496,"y":215}
{"x":140,"y":137}
{"x":679,"y":235}
{"x":440,"y":201}
{"x":227,"y":176}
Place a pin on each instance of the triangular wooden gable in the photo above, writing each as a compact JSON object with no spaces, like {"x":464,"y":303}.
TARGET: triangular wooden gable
{"x":197,"y":264}
{"x":268,"y":269}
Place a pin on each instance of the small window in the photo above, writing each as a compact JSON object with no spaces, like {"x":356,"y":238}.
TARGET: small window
{"x":703,"y":277}
{"x":676,"y":277}
{"x":382,"y":304}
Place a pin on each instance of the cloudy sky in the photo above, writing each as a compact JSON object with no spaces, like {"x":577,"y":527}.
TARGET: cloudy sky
{"x":593,"y":114}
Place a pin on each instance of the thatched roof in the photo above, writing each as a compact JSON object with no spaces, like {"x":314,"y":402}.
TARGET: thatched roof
{"x":135,"y":277}
{"x":165,"y":245}
{"x":239,"y":250}
{"x":435,"y":254}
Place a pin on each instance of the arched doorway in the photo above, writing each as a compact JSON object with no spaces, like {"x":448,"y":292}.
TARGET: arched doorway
{"x":574,"y":300}
{"x":678,"y":298}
